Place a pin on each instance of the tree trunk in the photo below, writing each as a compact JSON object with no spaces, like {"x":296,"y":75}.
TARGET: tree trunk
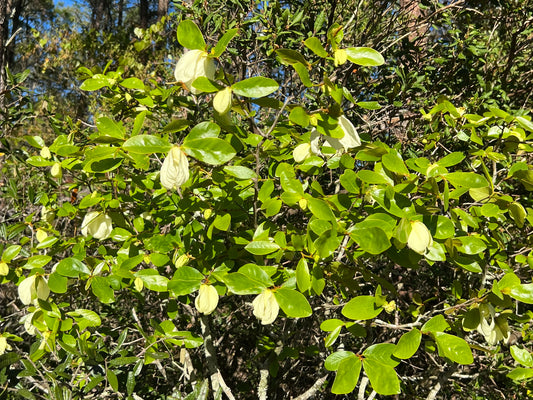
{"x":162,"y":9}
{"x":144,"y":13}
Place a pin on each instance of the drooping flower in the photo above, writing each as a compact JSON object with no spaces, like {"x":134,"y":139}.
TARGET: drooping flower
{"x":175,"y":169}
{"x":266,"y":307}
{"x":350,"y":139}
{"x":207,"y":299}
{"x":491,"y":327}
{"x":420,"y":238}
{"x":97,"y":224}
{"x":223,"y":100}
{"x":33,"y":287}
{"x":192,"y":65}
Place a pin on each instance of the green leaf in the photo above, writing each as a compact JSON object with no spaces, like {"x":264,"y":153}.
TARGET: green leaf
{"x":210,"y":150}
{"x":303,"y":277}
{"x":348,"y":181}
{"x":320,"y":209}
{"x":471,"y":245}
{"x":206,"y":85}
{"x":291,"y":57}
{"x":96,"y":82}
{"x":315,"y":45}
{"x":372,"y":177}
{"x":383,"y":378}
{"x":223,"y":42}
{"x":120,"y":234}
{"x":369,"y":105}
{"x":57,"y":283}
{"x":112,"y":380}
{"x":518,"y":213}
{"x":299,"y":116}
{"x":101,"y":289}
{"x":11,"y":252}
{"x":185,"y":281}
{"x":522,"y":356}
{"x":241,"y":284}
{"x":394,"y":163}
{"x":408,"y":344}
{"x":176,"y":125}
{"x":371,"y":239}
{"x":189,"y":36}
{"x":466,"y":179}
{"x":347,"y":376}
{"x":435,"y":324}
{"x":72,"y":267}
{"x":257,"y":86}
{"x":383,"y":353}
{"x":454,"y":348}
{"x":523,"y":293}
{"x":327,"y":243}
{"x":364,"y":56}
{"x":293,"y":303}
{"x":303,"y":74}
{"x":152,"y":280}
{"x":240,"y":172}
{"x":85,"y":318}
{"x":132,"y":83}
{"x":520,"y":374}
{"x":445,"y":228}
{"x":261,"y":247}
{"x":203,"y":130}
{"x":451,"y":159}
{"x":361,"y":308}
{"x":333,"y":360}
{"x":146,"y":144}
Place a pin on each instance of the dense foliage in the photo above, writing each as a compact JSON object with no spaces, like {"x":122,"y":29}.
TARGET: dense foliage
{"x":252,"y":199}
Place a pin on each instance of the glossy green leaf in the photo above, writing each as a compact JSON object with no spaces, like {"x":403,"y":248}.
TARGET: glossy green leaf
{"x":471,"y":245}
{"x":361,"y":308}
{"x":303,"y":277}
{"x":132,"y":83}
{"x":372,"y":177}
{"x":408,"y":344}
{"x":348,"y":181}
{"x":85,"y":318}
{"x":101,"y":289}
{"x":315,"y":45}
{"x":334,"y":359}
{"x":523,"y":293}
{"x":520,"y":374}
{"x":146,"y":144}
{"x":466,"y":179}
{"x":517,"y":213}
{"x":240,"y":172}
{"x":293,"y":303}
{"x":394,"y":163}
{"x":257,"y":86}
{"x":11,"y":252}
{"x":364,"y":56}
{"x":189,"y":36}
{"x":451,"y":159}
{"x":347,"y":375}
{"x":261,"y":247}
{"x":291,"y":57}
{"x":383,"y":378}
{"x":57,"y":283}
{"x":522,"y":356}
{"x":299,"y":116}
{"x":320,"y":209}
{"x":453,"y":348}
{"x":107,"y":127}
{"x":435,"y":324}
{"x":224,"y":41}
{"x":210,"y":150}
{"x":112,"y":380}
{"x":152,"y":280}
{"x":72,"y":267}
{"x":241,"y":284}
{"x":371,"y":239}
{"x":331,"y":324}
{"x":185,"y":281}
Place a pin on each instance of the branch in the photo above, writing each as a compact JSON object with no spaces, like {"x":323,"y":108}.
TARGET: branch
{"x":210,"y":354}
{"x":263,"y":384}
{"x":313,"y":389}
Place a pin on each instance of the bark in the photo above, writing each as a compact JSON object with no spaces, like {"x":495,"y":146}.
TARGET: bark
{"x":144,"y":14}
{"x":162,"y":9}
{"x":4,"y":32}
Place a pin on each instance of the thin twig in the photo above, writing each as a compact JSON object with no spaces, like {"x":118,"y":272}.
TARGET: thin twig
{"x":313,"y":389}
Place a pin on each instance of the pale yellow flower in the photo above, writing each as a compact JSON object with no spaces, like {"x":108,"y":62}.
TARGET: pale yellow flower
{"x":266,"y":307}
{"x":32,"y":288}
{"x":420,"y":238}
{"x":207,"y":299}
{"x":192,"y":65}
{"x":350,"y":139}
{"x":223,"y":100}
{"x":175,"y":169}
{"x":301,"y":152}
{"x":97,"y":224}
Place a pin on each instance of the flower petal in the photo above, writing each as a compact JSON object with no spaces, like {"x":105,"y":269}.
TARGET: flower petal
{"x":175,"y":169}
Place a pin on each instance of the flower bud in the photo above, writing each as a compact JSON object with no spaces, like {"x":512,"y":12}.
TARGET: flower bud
{"x":56,"y":171}
{"x":97,"y":224}
{"x":340,"y":57}
{"x":207,"y":299}
{"x":45,"y":152}
{"x":222,"y":101}
{"x":41,"y":235}
{"x":192,"y":65}
{"x":420,"y":238}
{"x":175,"y":169}
{"x":266,"y":307}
